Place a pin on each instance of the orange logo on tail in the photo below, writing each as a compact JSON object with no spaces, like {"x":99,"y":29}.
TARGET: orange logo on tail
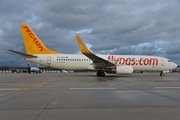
{"x":34,"y":39}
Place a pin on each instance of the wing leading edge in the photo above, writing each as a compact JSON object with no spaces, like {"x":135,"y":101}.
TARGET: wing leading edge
{"x":98,"y":62}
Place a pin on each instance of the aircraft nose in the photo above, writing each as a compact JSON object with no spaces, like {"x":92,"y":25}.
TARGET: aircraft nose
{"x":175,"y":65}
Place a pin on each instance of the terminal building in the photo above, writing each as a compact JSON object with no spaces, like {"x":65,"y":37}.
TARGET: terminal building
{"x":25,"y":70}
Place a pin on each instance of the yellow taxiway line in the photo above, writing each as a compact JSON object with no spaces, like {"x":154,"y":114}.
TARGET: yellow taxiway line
{"x":31,"y":86}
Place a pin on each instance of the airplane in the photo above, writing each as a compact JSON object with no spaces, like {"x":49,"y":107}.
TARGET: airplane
{"x":33,"y":70}
{"x":38,"y":53}
{"x":64,"y":71}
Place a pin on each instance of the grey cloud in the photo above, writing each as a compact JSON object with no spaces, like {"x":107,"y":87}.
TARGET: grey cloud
{"x":115,"y":27}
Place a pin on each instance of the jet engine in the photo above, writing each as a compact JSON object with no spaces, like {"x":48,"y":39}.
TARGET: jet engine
{"x":124,"y":69}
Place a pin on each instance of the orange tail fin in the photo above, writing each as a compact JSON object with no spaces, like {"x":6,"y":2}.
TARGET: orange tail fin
{"x":32,"y":43}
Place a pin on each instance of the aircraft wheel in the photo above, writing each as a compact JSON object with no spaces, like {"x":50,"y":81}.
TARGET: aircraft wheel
{"x":98,"y":73}
{"x":161,"y":74}
{"x":101,"y":73}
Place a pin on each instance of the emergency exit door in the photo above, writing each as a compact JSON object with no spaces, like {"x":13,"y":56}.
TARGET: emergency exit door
{"x":48,"y":60}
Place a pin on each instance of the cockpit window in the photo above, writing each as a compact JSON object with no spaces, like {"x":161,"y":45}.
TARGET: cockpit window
{"x":168,"y":60}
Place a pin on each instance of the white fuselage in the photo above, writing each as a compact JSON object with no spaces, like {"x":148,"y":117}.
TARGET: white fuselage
{"x":81,"y":62}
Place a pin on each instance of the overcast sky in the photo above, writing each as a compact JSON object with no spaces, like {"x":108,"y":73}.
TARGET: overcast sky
{"x":143,"y":27}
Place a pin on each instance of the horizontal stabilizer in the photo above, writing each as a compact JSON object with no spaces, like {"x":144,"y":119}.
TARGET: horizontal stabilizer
{"x":23,"y":54}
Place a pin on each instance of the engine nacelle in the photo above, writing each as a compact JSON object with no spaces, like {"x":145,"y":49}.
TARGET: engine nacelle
{"x":124,"y":69}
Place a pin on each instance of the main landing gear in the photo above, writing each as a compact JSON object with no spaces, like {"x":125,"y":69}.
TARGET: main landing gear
{"x":161,"y":73}
{"x":101,"y":73}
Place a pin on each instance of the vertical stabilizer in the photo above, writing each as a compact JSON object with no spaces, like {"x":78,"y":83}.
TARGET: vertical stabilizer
{"x":32,"y":43}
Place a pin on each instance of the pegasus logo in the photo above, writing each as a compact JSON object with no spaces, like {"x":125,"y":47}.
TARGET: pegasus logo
{"x":34,"y":39}
{"x":81,"y":47}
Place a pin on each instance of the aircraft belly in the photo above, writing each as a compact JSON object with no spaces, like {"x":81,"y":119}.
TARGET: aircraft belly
{"x":145,"y":68}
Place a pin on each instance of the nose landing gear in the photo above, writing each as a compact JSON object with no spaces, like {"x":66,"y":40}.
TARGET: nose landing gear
{"x":161,"y":73}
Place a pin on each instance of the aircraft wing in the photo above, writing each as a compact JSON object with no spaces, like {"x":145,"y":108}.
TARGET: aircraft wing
{"x":23,"y":54}
{"x":98,"y":62}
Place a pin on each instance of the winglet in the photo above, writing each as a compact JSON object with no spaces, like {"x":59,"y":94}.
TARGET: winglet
{"x":82,"y":47}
